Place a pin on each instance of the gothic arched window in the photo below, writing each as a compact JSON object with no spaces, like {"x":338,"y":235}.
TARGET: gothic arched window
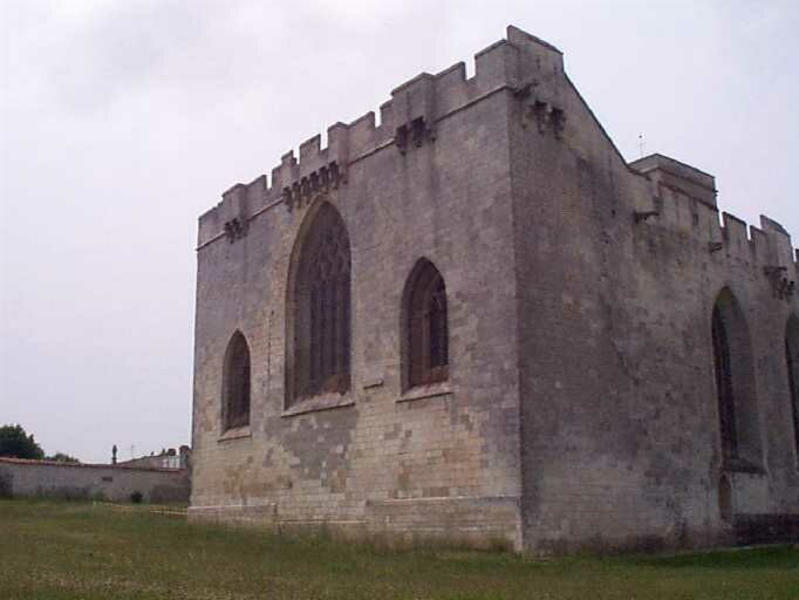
{"x":792,"y":360}
{"x":723,"y":369}
{"x":321,"y":321}
{"x":236,"y":383}
{"x":735,"y":385}
{"x":426,"y":347}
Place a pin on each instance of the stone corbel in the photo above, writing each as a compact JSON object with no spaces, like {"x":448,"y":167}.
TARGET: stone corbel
{"x":525,"y":90}
{"x":782,"y":287}
{"x":643,"y":215}
{"x":543,"y":114}
{"x":538,"y":111}
{"x":558,"y":120}
{"x":303,"y":192}
{"x":714,"y":246}
{"x":416,"y":132}
{"x":235,"y":229}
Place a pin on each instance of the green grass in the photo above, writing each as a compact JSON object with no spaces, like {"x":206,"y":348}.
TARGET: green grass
{"x":79,"y":551}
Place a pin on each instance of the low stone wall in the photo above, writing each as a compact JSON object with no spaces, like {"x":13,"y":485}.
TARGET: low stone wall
{"x":19,"y":477}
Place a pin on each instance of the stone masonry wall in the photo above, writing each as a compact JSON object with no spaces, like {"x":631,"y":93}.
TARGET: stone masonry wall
{"x":580,"y":409}
{"x":618,"y":274}
{"x":440,"y":460}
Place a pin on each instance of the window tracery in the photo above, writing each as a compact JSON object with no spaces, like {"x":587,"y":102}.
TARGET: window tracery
{"x":322,"y":319}
{"x":427,"y":333}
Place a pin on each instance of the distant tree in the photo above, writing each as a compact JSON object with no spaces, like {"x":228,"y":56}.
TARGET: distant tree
{"x":16,"y":443}
{"x":61,"y":457}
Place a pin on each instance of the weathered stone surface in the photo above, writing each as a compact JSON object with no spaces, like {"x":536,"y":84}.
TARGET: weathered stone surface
{"x":580,"y":407}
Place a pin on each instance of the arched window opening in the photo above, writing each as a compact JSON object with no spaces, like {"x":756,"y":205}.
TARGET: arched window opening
{"x":726,"y":507}
{"x":721,"y":358}
{"x":735,"y":386}
{"x":321,"y":336}
{"x":426,"y":329}
{"x":236,"y":383}
{"x":792,"y":361}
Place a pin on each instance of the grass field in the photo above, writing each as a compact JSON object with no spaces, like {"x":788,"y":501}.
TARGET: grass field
{"x":80,"y":551}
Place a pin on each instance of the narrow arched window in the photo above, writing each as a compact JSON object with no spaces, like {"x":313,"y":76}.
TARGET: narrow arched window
{"x":321,"y":336}
{"x":236,"y":383}
{"x":723,"y":368}
{"x":792,"y":360}
{"x":726,"y":509}
{"x":735,"y":385}
{"x":426,"y":330}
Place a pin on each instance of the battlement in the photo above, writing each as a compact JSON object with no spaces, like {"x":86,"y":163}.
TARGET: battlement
{"x":768,"y":249}
{"x":684,"y":201}
{"x":684,"y":197}
{"x":665,"y":171}
{"x":518,"y":62}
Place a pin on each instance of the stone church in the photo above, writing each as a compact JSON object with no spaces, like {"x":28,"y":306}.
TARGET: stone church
{"x":476,"y":321}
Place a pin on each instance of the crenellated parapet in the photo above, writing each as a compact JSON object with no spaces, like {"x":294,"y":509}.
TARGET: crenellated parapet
{"x":684,"y":200}
{"x":530,"y":72}
{"x":318,"y":171}
{"x":784,"y":272}
{"x":665,"y":172}
{"x":522,"y":65}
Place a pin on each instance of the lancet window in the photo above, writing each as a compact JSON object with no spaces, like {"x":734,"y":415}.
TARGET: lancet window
{"x":322,"y":308}
{"x":736,"y":391}
{"x":236,"y":383}
{"x":426,"y":328}
{"x":726,"y":401}
{"x":792,"y":360}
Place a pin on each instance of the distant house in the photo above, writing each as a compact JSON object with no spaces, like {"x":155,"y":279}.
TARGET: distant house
{"x":166,"y":459}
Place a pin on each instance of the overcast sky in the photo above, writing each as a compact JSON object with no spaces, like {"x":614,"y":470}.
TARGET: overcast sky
{"x":123,"y":121}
